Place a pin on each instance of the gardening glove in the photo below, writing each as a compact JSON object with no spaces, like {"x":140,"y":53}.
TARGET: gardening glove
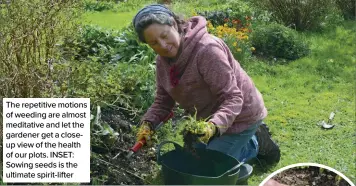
{"x":145,"y":132}
{"x":203,"y":131}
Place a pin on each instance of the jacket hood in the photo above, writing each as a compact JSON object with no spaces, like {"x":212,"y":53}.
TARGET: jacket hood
{"x":194,"y":30}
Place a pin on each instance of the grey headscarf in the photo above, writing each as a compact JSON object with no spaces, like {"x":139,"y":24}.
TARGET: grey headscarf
{"x":151,"y":9}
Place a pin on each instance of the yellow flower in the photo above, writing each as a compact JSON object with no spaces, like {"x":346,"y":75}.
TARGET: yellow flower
{"x":239,"y":50}
{"x":225,"y":32}
{"x":253,"y":48}
{"x":244,"y":30}
{"x":210,"y":25}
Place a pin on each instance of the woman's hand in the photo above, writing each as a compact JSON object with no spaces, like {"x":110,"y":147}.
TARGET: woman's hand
{"x":203,"y":131}
{"x":145,"y":132}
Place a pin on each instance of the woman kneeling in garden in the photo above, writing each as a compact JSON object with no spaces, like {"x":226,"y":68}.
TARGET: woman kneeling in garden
{"x":198,"y":71}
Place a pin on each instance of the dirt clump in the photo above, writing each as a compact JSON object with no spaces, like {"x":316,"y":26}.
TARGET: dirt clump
{"x":310,"y":176}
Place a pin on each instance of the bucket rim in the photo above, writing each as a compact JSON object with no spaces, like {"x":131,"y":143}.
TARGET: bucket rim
{"x":200,"y":176}
{"x":235,"y":169}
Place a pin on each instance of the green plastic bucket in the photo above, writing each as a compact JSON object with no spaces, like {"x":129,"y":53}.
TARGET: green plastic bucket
{"x":210,"y":167}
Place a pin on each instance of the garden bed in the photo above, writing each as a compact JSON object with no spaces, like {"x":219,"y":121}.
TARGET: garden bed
{"x":109,"y":165}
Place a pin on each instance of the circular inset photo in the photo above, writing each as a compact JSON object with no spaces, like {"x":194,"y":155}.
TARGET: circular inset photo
{"x":307,"y":174}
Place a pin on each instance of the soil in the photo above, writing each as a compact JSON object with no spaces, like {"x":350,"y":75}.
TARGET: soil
{"x":189,"y":140}
{"x":113,"y":168}
{"x":310,"y":176}
{"x":109,"y":164}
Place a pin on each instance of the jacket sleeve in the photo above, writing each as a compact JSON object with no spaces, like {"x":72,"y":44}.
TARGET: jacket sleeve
{"x":220,"y":75}
{"x":161,"y":107}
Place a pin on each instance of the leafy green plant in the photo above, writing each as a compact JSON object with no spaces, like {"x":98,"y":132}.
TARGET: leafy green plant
{"x":139,"y":84}
{"x":92,"y":79}
{"x":348,"y":8}
{"x":233,"y":25}
{"x":124,"y":86}
{"x":92,"y":41}
{"x":298,"y":14}
{"x":236,"y":11}
{"x":133,"y":51}
{"x":108,"y":46}
{"x":278,"y":41}
{"x":331,"y":21}
{"x":191,"y":127}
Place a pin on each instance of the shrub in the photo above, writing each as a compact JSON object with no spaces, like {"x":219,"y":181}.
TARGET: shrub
{"x":233,"y":25}
{"x":125,"y":87}
{"x":278,"y":41}
{"x":108,"y":46}
{"x":236,"y":11}
{"x":348,"y":8}
{"x":332,"y":20}
{"x":138,"y":83}
{"x":299,"y":14}
{"x":90,"y":41}
{"x":29,"y":33}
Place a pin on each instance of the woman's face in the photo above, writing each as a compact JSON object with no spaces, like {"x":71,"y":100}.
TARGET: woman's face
{"x":163,"y":39}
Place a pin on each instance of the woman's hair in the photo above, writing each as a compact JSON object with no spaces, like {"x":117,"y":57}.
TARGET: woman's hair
{"x":160,"y":15}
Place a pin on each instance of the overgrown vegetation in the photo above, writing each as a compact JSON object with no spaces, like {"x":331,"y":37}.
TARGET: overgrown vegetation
{"x":30,"y":32}
{"x":192,"y":129}
{"x":234,"y":26}
{"x":299,"y":14}
{"x":108,"y":46}
{"x":278,"y":41}
{"x":235,"y":11}
{"x":348,"y":8}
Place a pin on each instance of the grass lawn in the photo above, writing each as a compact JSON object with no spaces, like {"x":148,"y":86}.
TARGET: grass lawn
{"x":305,"y":92}
{"x":109,"y":19}
{"x":124,"y":15}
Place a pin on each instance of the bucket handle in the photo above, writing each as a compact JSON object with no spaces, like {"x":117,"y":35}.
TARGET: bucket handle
{"x":176,"y":146}
{"x":232,"y":169}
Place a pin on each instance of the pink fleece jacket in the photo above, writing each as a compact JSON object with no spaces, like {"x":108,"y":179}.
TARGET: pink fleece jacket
{"x":211,"y":82}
